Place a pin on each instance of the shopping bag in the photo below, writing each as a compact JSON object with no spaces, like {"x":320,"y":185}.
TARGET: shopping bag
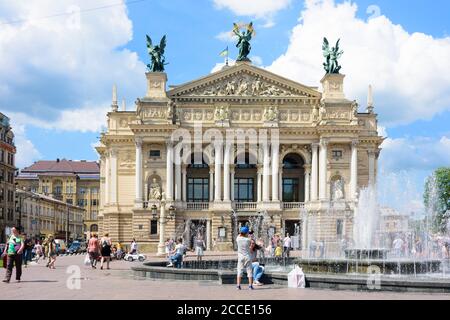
{"x":296,"y":278}
{"x":87,"y":260}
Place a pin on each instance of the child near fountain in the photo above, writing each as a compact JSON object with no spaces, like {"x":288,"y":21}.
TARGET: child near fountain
{"x":278,"y":252}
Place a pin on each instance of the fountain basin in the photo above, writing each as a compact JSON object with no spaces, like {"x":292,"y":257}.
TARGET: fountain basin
{"x":356,"y":253}
{"x":316,"y":277}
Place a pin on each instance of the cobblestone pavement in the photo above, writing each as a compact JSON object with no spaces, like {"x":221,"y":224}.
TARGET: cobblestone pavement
{"x":39,"y":282}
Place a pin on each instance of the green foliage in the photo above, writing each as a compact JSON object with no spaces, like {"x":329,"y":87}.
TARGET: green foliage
{"x":437,"y":198}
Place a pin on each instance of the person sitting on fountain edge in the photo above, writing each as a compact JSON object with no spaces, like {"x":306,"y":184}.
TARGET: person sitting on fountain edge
{"x":257,"y":268}
{"x":176,"y":255}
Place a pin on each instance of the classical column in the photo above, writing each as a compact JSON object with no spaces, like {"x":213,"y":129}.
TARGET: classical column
{"x":266,"y":173}
{"x":323,"y":169}
{"x":275,"y":177}
{"x":280,"y":184}
{"x":138,"y":172}
{"x":169,"y":170}
{"x":354,"y":170}
{"x":211,"y":183}
{"x":218,"y":172}
{"x":259,"y":183}
{"x":184,"y":190}
{"x":226,"y":173}
{"x":113,"y":176}
{"x":107,"y":178}
{"x":208,"y":234}
{"x":371,"y":154}
{"x":314,"y":171}
{"x":307,"y":173}
{"x":232,"y":170}
{"x":177,"y":176}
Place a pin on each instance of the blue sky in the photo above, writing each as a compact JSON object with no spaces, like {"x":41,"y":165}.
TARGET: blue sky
{"x":56,"y":73}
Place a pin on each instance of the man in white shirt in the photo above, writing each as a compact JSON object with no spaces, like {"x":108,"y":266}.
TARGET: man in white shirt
{"x":287,"y":243}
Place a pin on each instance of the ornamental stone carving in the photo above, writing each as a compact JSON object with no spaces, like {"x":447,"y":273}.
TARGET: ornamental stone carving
{"x":271,"y":113}
{"x":221,"y":113}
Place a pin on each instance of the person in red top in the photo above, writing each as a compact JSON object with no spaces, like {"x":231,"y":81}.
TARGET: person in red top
{"x":93,"y":250}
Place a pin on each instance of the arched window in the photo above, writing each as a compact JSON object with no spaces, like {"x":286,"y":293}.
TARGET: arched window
{"x":94,"y":228}
{"x":293,"y":178}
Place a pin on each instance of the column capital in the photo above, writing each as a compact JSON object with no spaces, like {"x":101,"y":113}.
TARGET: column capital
{"x":324,"y":142}
{"x":371,"y":152}
{"x":212,"y":169}
{"x":138,"y":142}
{"x":314,"y":146}
{"x":307,"y":168}
{"x":169,"y":143}
{"x":113,"y":152}
{"x":354,"y":143}
{"x":218,"y":144}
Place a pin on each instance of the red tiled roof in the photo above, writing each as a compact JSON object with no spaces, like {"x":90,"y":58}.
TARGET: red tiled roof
{"x":64,"y":166}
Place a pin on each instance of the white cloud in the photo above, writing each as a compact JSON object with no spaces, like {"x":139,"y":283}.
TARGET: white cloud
{"x":416,"y":153}
{"x":257,"y":60}
{"x":59,"y":71}
{"x":406,"y":70}
{"x":226,"y":36}
{"x":26,"y":152}
{"x":260,"y":9}
{"x":220,"y":65}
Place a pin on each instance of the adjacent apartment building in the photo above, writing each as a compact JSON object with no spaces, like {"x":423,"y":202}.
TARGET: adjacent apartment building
{"x":7,"y":170}
{"x":73,"y":182}
{"x":41,"y":215}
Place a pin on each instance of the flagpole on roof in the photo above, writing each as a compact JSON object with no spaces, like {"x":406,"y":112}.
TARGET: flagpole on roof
{"x":226,"y":62}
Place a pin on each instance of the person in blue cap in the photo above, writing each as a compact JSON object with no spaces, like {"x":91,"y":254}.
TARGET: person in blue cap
{"x":244,"y":259}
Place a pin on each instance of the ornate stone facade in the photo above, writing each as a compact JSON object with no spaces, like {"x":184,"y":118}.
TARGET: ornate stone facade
{"x":309,"y":176}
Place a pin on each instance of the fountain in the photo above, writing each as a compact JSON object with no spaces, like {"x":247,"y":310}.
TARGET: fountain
{"x":365,"y":226}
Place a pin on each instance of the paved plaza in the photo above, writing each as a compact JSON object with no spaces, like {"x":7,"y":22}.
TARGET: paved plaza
{"x":39,"y":282}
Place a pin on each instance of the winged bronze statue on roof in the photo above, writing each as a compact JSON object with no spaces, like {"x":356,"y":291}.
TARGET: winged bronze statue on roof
{"x":332,"y":55}
{"x":243,"y":40}
{"x":156,"y":54}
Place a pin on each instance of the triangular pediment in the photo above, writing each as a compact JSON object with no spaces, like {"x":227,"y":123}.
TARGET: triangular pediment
{"x":243,"y":80}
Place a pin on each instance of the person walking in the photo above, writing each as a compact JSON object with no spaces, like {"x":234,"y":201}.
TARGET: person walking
{"x":105,"y":250}
{"x":28,"y":247}
{"x":134,"y":247}
{"x":244,"y":259}
{"x":51,"y":251}
{"x":199,"y":245}
{"x":93,"y":250}
{"x":287,"y":243}
{"x":13,"y":250}
{"x":38,"y":251}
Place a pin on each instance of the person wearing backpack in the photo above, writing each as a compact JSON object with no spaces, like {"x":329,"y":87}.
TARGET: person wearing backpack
{"x":13,"y":250}
{"x":105,"y":250}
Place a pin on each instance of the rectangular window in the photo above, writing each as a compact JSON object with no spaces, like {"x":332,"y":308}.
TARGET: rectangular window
{"x":2,"y":213}
{"x":291,"y":192}
{"x":82,"y":191}
{"x":69,"y":201}
{"x":336,"y":154}
{"x":339,"y":227}
{"x":153,"y":227}
{"x":155,"y":153}
{"x":198,"y":190}
{"x":94,"y":202}
{"x":243,"y":190}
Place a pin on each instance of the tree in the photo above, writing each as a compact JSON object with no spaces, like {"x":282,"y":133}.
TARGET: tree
{"x":437,"y":198}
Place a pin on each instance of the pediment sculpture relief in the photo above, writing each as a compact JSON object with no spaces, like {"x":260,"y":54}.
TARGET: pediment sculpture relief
{"x":244,"y":85}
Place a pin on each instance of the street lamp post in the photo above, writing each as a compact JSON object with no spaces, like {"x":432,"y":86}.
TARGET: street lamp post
{"x":162,"y":221}
{"x":67,"y":225}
